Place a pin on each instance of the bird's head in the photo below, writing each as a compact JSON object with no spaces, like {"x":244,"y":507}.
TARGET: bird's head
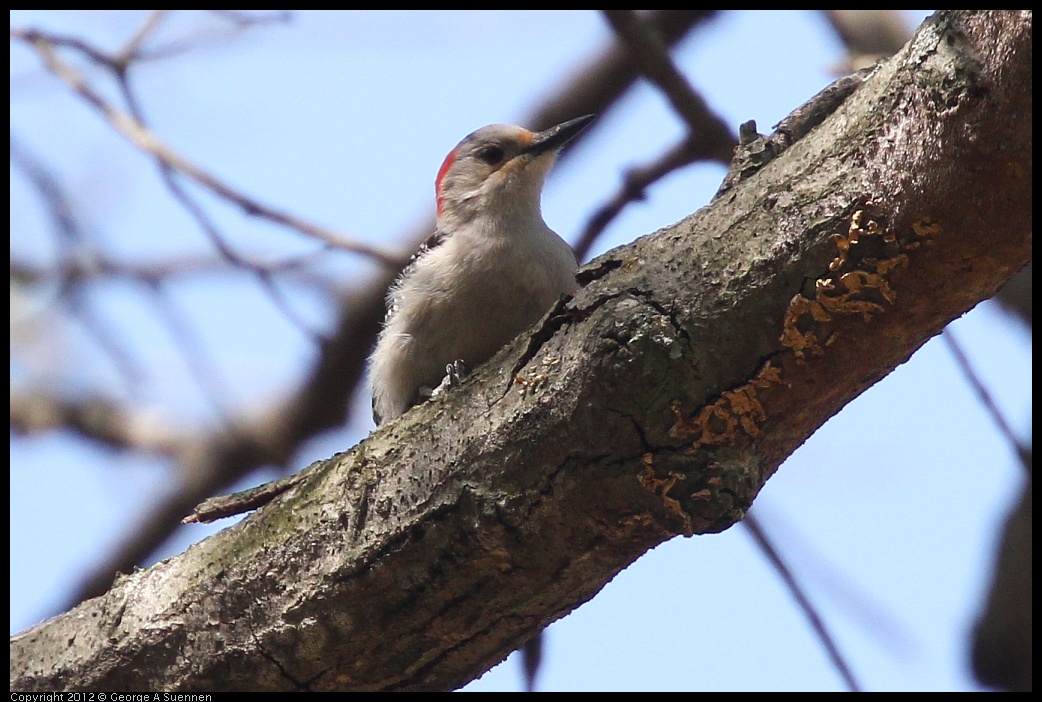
{"x":499,"y":168}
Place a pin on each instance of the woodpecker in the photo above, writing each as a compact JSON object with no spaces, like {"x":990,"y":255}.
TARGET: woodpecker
{"x":491,"y":269}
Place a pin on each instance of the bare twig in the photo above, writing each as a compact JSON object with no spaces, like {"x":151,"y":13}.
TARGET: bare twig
{"x":708,"y":138}
{"x":597,"y":87}
{"x":802,"y":601}
{"x":58,"y":202}
{"x":132,"y":126}
{"x":245,"y":19}
{"x":131,"y":50}
{"x":635,"y":181}
{"x":221,"y":506}
{"x":145,"y":140}
{"x":1023,"y":452}
{"x":202,"y":367}
{"x":72,"y":245}
{"x":652,"y":57}
{"x":129,"y":367}
{"x":102,"y":267}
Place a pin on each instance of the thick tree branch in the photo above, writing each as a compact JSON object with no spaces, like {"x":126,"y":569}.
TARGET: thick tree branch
{"x":656,"y":402}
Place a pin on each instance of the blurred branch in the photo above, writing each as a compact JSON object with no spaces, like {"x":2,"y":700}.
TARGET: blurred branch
{"x":1023,"y":452}
{"x":708,"y":137}
{"x":210,"y":462}
{"x":74,"y":251}
{"x":145,"y":140}
{"x":56,"y":200}
{"x":203,"y":369}
{"x":711,"y":136}
{"x":101,"y":267}
{"x":868,"y":35}
{"x":131,"y":50}
{"x":1002,"y":636}
{"x":245,"y":19}
{"x":1016,"y":296}
{"x":817,"y":624}
{"x":131,"y":369}
{"x":596,"y":88}
{"x":102,"y":419}
{"x":634,"y":183}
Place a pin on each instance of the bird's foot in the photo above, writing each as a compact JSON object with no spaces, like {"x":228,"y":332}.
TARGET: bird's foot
{"x":455,"y":372}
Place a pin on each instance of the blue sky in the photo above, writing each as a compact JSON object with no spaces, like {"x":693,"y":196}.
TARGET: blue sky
{"x":888,"y":514}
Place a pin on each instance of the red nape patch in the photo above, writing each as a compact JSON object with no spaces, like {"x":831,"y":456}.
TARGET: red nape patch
{"x":445,"y":166}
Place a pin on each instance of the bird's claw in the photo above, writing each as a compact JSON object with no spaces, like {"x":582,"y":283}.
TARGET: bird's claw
{"x":455,"y":372}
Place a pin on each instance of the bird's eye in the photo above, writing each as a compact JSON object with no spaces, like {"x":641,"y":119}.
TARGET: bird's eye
{"x":491,"y":154}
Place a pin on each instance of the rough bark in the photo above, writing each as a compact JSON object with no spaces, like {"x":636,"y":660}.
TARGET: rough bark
{"x":656,"y":402}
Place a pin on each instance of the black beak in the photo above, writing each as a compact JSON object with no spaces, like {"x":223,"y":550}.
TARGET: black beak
{"x":556,"y":137}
